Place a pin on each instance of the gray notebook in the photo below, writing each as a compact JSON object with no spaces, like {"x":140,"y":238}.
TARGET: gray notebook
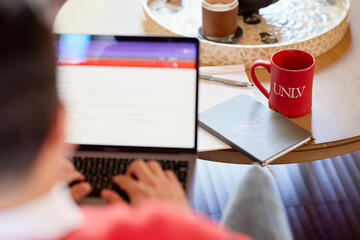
{"x":252,"y":128}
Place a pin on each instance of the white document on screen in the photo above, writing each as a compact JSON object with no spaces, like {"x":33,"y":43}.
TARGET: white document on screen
{"x":127,"y":106}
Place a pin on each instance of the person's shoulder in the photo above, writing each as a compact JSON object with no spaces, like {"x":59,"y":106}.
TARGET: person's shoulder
{"x":155,"y":220}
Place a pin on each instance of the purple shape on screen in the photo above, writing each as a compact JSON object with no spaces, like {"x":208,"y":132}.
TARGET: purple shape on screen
{"x":130,"y":49}
{"x":149,"y":50}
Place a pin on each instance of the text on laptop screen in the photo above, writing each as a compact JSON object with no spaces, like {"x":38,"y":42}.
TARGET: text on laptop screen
{"x":128,"y":93}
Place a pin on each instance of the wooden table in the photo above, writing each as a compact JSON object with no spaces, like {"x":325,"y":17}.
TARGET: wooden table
{"x":335,"y":117}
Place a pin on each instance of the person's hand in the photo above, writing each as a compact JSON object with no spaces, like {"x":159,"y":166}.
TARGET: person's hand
{"x":69,"y":174}
{"x":147,"y":181}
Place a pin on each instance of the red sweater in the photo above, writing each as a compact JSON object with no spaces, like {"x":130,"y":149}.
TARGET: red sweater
{"x":150,"y":221}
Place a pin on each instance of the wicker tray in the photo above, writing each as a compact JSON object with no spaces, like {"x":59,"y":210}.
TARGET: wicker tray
{"x":314,"y":26}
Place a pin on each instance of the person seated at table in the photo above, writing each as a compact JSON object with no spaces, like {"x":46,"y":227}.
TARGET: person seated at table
{"x":35,"y":202}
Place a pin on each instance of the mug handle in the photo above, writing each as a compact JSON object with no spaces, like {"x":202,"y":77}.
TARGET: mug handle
{"x":267,"y":66}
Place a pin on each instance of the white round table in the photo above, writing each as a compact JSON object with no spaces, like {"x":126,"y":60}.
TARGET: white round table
{"x":335,"y":116}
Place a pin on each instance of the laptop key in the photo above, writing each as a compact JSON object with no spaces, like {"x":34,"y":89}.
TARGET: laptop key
{"x":99,"y":172}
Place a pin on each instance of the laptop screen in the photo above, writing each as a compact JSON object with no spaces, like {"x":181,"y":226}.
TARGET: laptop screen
{"x":129,"y":91}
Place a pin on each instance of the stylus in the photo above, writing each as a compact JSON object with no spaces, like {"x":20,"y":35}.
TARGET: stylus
{"x":226,"y":81}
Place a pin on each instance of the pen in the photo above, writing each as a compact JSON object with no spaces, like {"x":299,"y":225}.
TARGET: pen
{"x":226,"y":81}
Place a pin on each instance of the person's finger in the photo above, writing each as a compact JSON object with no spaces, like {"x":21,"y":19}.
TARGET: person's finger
{"x":111,"y":196}
{"x":171,"y":176}
{"x":128,"y":184}
{"x":141,"y":171}
{"x":69,"y":174}
{"x":156,"y":168}
{"x":80,"y":190}
{"x":73,"y":176}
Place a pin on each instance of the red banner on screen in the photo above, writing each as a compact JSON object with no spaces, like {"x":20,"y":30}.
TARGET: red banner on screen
{"x":127,"y":63}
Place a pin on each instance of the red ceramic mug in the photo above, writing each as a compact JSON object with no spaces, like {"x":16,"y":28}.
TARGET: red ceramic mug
{"x":292,"y":73}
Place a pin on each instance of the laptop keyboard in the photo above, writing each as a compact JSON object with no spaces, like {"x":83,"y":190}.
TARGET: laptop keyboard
{"x":100,"y":171}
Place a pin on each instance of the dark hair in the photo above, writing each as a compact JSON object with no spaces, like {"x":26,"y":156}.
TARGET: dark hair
{"x":28,"y":95}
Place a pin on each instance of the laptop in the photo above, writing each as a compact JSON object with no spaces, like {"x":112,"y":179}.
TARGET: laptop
{"x":127,"y":98}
